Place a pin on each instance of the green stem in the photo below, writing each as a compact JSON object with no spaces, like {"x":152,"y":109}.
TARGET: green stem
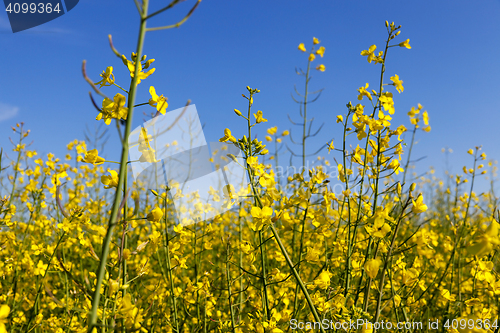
{"x":264,"y":277}
{"x":16,"y":172}
{"x":228,"y":277}
{"x":122,"y":175}
{"x":297,"y":277}
{"x":35,"y":304}
{"x":409,"y":154}
{"x":240,"y":262}
{"x":170,"y":276}
{"x":389,"y":254}
{"x":304,"y":127}
{"x":258,"y":203}
{"x":301,"y":248}
{"x":374,"y":206}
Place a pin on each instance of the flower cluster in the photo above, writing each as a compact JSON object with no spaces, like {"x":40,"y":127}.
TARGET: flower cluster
{"x":82,"y":244}
{"x":314,"y":52}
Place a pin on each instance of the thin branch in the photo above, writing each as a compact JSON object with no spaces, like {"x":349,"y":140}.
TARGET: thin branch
{"x":176,"y":119}
{"x":139,"y":7}
{"x":122,"y":205}
{"x":93,"y":102}
{"x":309,"y":129}
{"x":291,"y":139}
{"x":296,"y":101}
{"x":315,"y":98}
{"x":297,"y":92}
{"x":244,"y":270}
{"x":317,"y":151}
{"x":299,"y":72}
{"x":316,"y":92}
{"x":294,"y":123}
{"x":63,"y":211}
{"x":319,"y":129}
{"x":178,"y":24}
{"x":115,"y":51}
{"x":82,"y":288}
{"x":172,"y":4}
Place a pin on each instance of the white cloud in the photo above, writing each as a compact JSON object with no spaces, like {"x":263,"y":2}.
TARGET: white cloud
{"x":7,"y":111}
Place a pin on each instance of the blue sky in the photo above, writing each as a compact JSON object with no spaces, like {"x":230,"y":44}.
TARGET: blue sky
{"x":452,"y":68}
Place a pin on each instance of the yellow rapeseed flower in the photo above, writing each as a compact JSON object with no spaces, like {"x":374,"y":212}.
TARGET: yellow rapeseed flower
{"x":371,"y":267}
{"x":131,"y":67}
{"x":108,"y":78}
{"x":379,"y":228}
{"x":425,"y":117}
{"x":155,"y":215}
{"x":363,"y":92}
{"x":396,"y":166}
{"x":484,"y":242}
{"x":370,"y":53}
{"x":259,"y":117}
{"x":261,"y":213}
{"x":159,"y":102}
{"x":272,"y":130}
{"x":397,"y":83}
{"x":323,"y":280}
{"x":406,"y":44}
{"x":418,"y":205}
{"x":92,"y":157}
{"x":261,"y":216}
{"x":321,"y":51}
{"x":111,"y":180}
{"x":113,"y":109}
{"x":148,"y":153}
{"x":227,"y":136}
{"x":330,"y":147}
{"x":387,"y":102}
{"x":4,"y":313}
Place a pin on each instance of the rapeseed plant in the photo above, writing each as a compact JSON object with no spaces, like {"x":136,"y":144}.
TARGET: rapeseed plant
{"x":85,"y":249}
